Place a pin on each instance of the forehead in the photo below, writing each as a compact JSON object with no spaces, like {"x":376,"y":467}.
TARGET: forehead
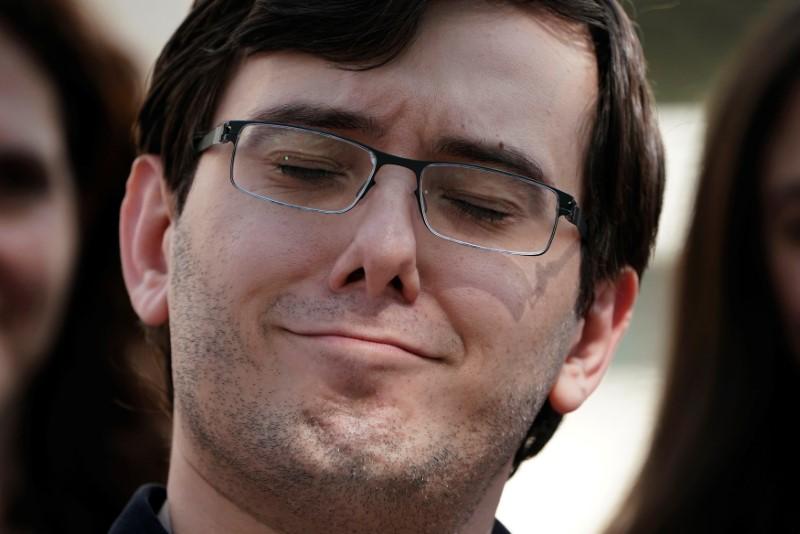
{"x":520,"y":79}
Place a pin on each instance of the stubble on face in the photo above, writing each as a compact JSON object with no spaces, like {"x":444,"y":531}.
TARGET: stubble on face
{"x":287,"y":466}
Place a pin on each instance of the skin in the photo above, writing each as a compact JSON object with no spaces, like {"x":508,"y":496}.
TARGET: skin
{"x":782,"y":223}
{"x":38,"y":222}
{"x":356,"y":373}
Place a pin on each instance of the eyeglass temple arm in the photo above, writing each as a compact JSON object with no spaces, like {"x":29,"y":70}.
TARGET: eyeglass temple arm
{"x":569,"y":209}
{"x":219,"y":135}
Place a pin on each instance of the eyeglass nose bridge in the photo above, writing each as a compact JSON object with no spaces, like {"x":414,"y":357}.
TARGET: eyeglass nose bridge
{"x":383,"y":158}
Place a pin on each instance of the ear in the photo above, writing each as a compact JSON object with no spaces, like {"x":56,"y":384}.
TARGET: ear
{"x":145,"y":226}
{"x":601,"y":331}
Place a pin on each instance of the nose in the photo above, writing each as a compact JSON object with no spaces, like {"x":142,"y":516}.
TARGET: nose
{"x":383,"y":252}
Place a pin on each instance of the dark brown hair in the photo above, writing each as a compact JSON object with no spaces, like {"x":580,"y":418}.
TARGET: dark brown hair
{"x":623,"y":171}
{"x":79,"y":450}
{"x":724,"y":452}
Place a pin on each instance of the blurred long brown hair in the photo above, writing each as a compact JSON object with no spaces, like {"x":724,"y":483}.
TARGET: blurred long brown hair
{"x":724,"y":456}
{"x":86,"y":438}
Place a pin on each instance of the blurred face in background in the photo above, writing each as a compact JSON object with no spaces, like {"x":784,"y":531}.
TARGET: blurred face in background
{"x":782,"y":215}
{"x":38,"y":219}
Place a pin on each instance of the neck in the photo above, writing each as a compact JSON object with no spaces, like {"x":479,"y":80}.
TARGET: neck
{"x":199,"y":503}
{"x":195,"y":505}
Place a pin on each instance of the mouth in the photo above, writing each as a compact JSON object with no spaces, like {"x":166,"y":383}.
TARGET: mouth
{"x":378,"y":342}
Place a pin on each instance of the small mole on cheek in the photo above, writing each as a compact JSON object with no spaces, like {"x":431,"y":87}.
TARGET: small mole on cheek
{"x":500,"y":145}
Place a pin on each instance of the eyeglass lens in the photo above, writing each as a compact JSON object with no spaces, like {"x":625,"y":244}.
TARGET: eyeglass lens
{"x":475,"y":206}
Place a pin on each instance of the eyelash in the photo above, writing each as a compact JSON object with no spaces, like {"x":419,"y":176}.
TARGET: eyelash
{"x":306,"y":173}
{"x":477,"y":212}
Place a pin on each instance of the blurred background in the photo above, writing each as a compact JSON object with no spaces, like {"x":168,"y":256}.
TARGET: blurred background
{"x":576,"y":482}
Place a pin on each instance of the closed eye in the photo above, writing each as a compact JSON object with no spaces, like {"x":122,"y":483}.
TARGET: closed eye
{"x":480,"y":213}
{"x":307,"y":173}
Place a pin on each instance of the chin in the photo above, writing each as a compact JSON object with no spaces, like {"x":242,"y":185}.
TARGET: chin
{"x":360,"y":440}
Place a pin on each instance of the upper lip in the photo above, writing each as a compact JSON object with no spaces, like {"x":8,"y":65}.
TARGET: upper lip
{"x":370,"y":337}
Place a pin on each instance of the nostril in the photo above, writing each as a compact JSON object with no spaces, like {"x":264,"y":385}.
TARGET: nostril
{"x":355,"y":276}
{"x":397,"y":283}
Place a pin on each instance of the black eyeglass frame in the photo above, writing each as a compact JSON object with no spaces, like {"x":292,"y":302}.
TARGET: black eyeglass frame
{"x":228,"y":132}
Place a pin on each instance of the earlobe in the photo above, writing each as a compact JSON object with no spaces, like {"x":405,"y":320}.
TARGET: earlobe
{"x":600,"y":332}
{"x":145,"y":223}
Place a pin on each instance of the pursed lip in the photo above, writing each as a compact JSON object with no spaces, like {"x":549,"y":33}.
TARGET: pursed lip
{"x":368,"y":337}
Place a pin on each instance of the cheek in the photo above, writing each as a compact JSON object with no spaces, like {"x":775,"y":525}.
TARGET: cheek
{"x":512,"y":314}
{"x":491,"y":297}
{"x":512,"y":357}
{"x":253,"y":244}
{"x":259,"y":249}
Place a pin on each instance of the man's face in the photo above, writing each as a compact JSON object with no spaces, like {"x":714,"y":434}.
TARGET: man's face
{"x":359,"y":351}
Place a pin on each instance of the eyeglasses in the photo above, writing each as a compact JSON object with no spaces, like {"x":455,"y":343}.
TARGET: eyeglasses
{"x":468,"y":204}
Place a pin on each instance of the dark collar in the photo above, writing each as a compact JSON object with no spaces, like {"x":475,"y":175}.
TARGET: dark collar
{"x":499,"y":528}
{"x":140,"y":516}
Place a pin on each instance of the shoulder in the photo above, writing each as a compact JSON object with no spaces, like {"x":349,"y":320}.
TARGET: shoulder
{"x":141,"y":513}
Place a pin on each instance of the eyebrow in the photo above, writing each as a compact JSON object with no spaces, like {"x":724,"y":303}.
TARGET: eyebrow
{"x":508,"y":158}
{"x":317,"y":116}
{"x":473,"y":150}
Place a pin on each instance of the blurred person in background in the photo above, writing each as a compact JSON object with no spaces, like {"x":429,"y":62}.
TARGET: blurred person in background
{"x":724,"y":456}
{"x":71,"y":447}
